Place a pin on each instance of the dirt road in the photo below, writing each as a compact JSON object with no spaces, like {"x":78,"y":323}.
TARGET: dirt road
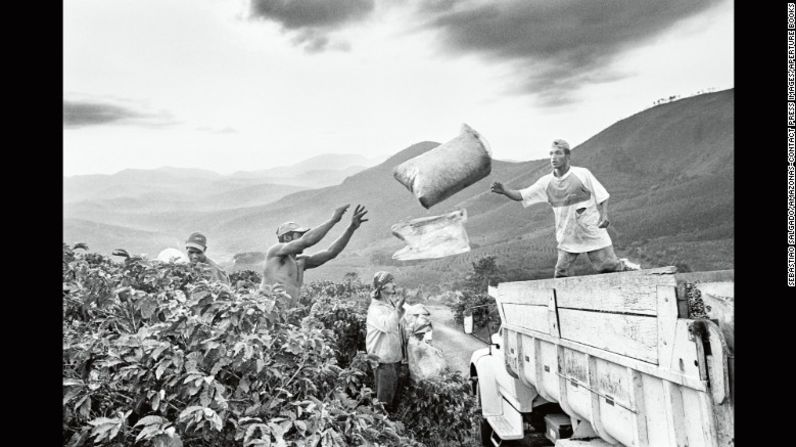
{"x":456,"y":346}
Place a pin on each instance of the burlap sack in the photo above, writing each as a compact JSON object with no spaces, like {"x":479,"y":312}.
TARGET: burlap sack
{"x":432,"y":237}
{"x":447,"y":169}
{"x":425,"y":361}
{"x":416,"y":321}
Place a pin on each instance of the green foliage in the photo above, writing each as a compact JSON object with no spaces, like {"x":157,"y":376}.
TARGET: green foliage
{"x":157,"y":354}
{"x":473,"y":297}
{"x":245,"y":279}
{"x":348,"y":321}
{"x":441,"y":412}
{"x":482,"y":307}
{"x":154,"y":358}
{"x":485,"y":273}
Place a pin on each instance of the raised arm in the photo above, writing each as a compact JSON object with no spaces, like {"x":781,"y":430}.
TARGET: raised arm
{"x":513,"y":194}
{"x":309,"y":238}
{"x":320,"y":258}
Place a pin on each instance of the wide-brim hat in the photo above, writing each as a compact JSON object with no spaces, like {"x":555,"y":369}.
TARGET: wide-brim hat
{"x":289,"y":227}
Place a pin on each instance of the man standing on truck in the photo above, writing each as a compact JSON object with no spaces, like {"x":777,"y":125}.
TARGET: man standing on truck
{"x":284,"y":261}
{"x":384,"y":338}
{"x":196,"y":246}
{"x":580,"y":207}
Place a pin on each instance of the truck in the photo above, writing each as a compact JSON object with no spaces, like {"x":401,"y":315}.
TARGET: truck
{"x":635,"y":359}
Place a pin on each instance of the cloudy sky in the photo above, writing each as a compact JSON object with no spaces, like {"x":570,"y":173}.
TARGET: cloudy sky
{"x":232,"y":85}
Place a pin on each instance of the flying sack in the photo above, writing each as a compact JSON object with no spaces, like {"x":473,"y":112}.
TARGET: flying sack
{"x":432,"y":237}
{"x":447,"y":169}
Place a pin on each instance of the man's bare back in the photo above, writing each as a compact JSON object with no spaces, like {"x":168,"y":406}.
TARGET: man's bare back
{"x":287,"y":271}
{"x":284,"y":261}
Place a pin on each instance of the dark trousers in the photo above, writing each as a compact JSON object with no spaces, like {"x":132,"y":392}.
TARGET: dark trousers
{"x":386,"y":382}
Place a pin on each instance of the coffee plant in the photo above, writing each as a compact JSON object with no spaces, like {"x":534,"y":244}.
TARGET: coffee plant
{"x":157,"y":354}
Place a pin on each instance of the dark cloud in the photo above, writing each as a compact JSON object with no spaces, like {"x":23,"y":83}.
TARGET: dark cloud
{"x":298,"y":14}
{"x":313,"y":20}
{"x":559,"y":45}
{"x":80,"y":113}
{"x":77,"y":114}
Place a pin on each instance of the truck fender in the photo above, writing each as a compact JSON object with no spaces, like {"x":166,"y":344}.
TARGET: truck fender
{"x":483,"y":373}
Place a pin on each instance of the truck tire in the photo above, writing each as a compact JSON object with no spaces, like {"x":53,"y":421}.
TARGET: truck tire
{"x":484,"y":428}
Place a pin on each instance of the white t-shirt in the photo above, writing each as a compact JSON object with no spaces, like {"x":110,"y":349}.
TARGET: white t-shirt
{"x":574,"y":197}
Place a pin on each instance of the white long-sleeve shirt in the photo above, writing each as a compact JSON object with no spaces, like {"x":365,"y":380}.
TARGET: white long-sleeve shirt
{"x":384,"y":332}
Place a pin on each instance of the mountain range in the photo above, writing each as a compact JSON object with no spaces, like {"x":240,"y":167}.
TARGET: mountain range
{"x":669,"y":170}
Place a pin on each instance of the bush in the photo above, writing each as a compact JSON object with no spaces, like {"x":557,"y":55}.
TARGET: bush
{"x":482,"y":306}
{"x":440,"y":412}
{"x":245,"y":279}
{"x":156,"y":354}
{"x":199,"y":363}
{"x":473,"y":294}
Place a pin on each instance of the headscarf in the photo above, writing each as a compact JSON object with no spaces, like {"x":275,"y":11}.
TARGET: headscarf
{"x":380,"y":279}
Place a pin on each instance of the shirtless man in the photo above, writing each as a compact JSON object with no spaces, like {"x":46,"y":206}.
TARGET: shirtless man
{"x":284,"y":262}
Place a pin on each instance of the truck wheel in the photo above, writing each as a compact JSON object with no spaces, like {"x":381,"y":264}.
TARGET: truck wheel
{"x":485,"y":429}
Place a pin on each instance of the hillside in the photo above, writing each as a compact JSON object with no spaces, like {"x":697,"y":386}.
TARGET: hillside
{"x":324,"y":163}
{"x":669,"y":170}
{"x":172,"y":186}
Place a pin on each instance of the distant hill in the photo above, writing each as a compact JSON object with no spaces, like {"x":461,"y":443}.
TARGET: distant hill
{"x":315,"y":172}
{"x":173,"y":185}
{"x":669,"y":170}
{"x":323,"y":162}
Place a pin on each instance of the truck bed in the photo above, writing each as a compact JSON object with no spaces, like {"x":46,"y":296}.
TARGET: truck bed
{"x":627,"y":353}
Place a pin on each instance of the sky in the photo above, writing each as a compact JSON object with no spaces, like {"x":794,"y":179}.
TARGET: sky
{"x":240,"y":85}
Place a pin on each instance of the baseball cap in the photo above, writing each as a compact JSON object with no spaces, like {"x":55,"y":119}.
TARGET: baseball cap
{"x":559,"y":143}
{"x":197,"y":240}
{"x":287,"y":227}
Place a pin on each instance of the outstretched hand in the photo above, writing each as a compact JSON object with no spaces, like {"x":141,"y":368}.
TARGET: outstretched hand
{"x":497,"y":187}
{"x":357,"y":218}
{"x":338,"y":213}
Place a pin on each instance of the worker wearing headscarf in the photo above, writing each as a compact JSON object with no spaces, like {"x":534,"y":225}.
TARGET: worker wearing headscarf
{"x":384,"y":338}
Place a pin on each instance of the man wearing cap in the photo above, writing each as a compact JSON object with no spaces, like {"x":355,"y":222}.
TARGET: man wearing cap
{"x":384,"y":338}
{"x":284,"y":262}
{"x":580,"y":209}
{"x":196,"y":246}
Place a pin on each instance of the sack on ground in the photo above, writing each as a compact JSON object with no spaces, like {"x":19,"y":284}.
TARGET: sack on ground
{"x":432,"y":237}
{"x":447,"y":169}
{"x":425,"y":361}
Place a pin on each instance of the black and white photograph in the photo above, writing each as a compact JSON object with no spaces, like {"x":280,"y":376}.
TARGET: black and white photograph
{"x":312,"y":223}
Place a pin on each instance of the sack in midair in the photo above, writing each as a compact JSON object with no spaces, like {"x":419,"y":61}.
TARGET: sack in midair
{"x":432,"y":237}
{"x":447,"y":169}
